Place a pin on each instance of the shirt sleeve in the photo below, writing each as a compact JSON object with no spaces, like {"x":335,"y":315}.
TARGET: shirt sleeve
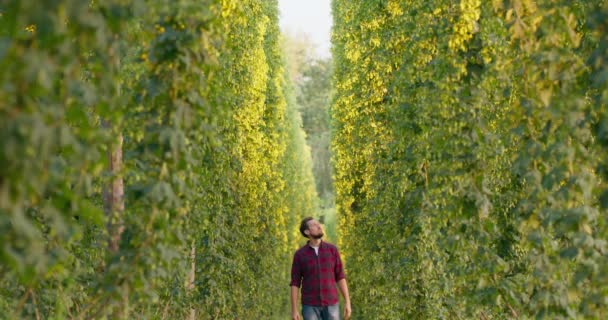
{"x":338,"y":269}
{"x":296,"y":272}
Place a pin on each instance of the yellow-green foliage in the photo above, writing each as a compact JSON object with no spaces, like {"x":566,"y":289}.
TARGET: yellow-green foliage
{"x":467,"y":161}
{"x":213,"y":156}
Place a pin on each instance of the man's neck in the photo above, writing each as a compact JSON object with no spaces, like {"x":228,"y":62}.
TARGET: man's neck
{"x":314,"y":242}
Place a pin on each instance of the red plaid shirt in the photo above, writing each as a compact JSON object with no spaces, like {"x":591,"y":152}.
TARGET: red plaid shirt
{"x":317,"y":275}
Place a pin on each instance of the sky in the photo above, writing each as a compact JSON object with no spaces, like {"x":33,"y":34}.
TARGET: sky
{"x":312,"y":17}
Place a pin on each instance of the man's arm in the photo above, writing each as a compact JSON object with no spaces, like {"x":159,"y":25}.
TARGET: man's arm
{"x":344,"y":290}
{"x":339,"y":274}
{"x":296,"y":282}
{"x":295,"y":315}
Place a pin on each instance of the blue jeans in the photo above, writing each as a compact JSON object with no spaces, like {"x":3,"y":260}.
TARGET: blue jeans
{"x":321,"y":313}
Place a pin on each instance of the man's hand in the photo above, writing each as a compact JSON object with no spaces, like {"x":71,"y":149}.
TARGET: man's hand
{"x":347,"y":311}
{"x":344,"y":289}
{"x":295,"y":316}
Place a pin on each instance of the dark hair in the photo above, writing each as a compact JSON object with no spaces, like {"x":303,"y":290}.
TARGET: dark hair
{"x":304,"y":226}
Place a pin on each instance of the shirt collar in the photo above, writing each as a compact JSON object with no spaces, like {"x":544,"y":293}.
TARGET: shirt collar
{"x":320,"y":244}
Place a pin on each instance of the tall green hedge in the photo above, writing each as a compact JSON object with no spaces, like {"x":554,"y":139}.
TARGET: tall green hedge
{"x":469,"y":158}
{"x":211,"y":160}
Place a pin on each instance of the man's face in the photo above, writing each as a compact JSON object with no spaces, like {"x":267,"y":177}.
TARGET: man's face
{"x":315,"y":231}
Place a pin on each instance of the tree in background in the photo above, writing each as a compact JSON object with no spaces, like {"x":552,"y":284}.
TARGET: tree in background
{"x":311,"y":78}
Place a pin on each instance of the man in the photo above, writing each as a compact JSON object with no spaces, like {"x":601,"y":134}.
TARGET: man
{"x":317,"y":268}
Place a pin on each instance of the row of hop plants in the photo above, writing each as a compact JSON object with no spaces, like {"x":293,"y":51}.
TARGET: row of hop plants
{"x":151,"y":162}
{"x":470,"y":143}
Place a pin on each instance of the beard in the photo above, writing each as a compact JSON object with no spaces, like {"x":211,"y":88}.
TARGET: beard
{"x":317,"y":236}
